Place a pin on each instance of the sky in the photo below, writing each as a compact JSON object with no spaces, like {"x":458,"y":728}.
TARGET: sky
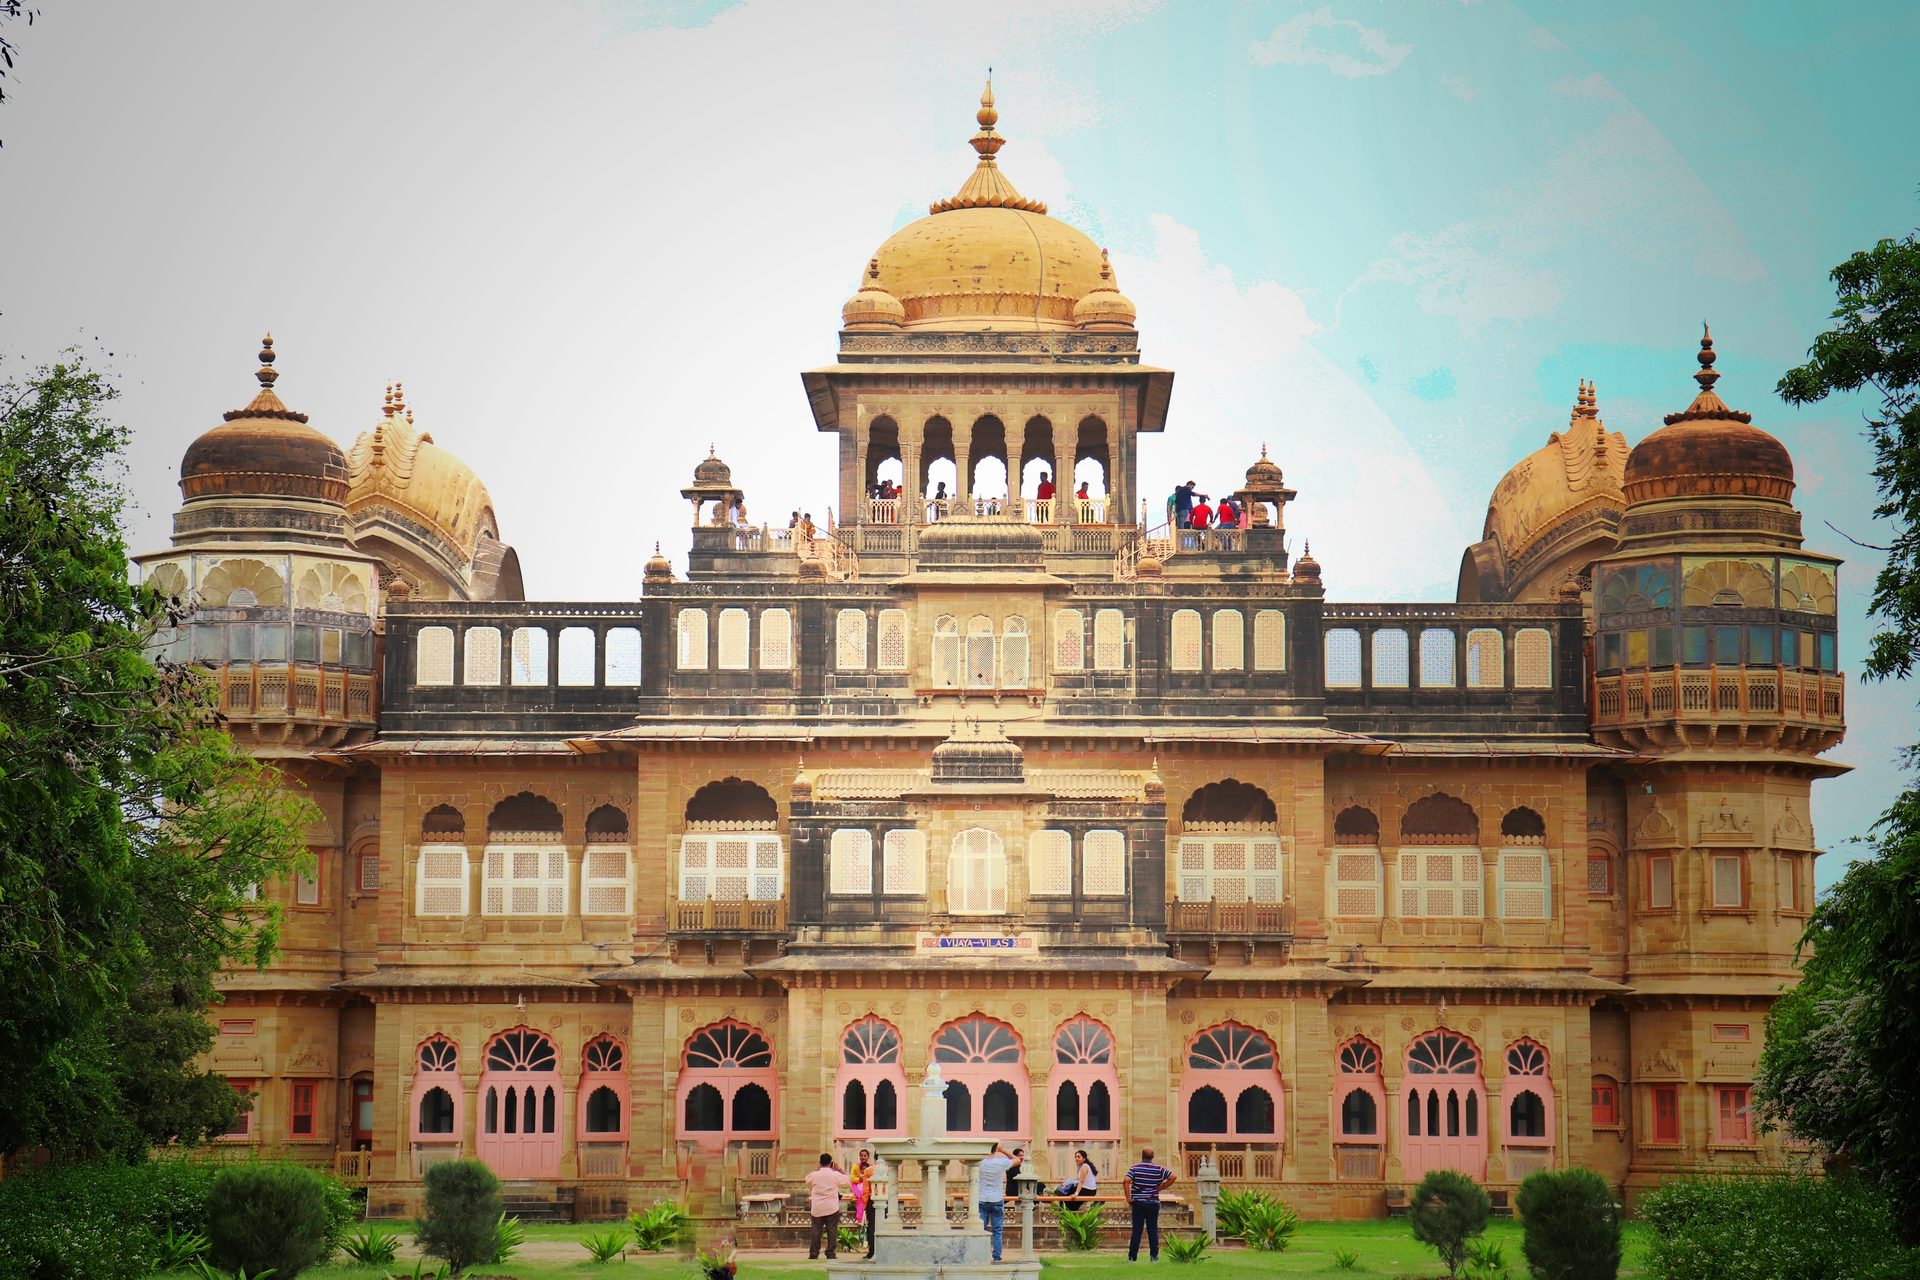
{"x":1383,"y":240}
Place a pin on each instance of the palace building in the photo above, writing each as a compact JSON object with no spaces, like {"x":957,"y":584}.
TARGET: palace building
{"x":1131,"y":828}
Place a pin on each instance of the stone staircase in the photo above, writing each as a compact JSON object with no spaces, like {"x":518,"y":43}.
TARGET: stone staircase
{"x":538,"y":1202}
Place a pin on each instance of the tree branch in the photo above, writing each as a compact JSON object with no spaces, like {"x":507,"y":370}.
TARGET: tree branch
{"x":1868,"y":546}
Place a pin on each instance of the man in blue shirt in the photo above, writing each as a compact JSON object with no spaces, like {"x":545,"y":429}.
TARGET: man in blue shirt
{"x":1144,"y":1182}
{"x":993,"y":1195}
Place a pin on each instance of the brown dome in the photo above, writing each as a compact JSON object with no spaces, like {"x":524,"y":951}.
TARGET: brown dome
{"x":264,"y":451}
{"x":712,"y":471}
{"x":1710,"y":451}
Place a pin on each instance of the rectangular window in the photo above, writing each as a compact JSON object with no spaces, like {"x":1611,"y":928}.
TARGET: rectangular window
{"x":1069,"y":641}
{"x":1760,"y":646}
{"x":1606,"y":1104}
{"x":240,"y":642}
{"x":1729,"y":888}
{"x":1660,"y":646}
{"x":306,"y":885}
{"x":1229,"y":640}
{"x":1486,"y":659}
{"x":369,"y":873}
{"x":1789,"y":647}
{"x":1440,"y":884}
{"x":623,"y":657}
{"x":730,"y":868}
{"x":243,"y":1123}
{"x":1735,"y":1108}
{"x":300,"y":1094}
{"x":576,"y":657}
{"x":850,"y":862}
{"x":1610,"y":651}
{"x":850,"y":640}
{"x":1343,"y":658}
{"x":1693,"y":645}
{"x":1660,"y":882}
{"x":1523,"y":884}
{"x":525,"y":880}
{"x":1050,"y":863}
{"x":605,"y":885}
{"x":1732,"y":1032}
{"x":693,"y":640}
{"x":236,"y":1026}
{"x":1109,"y":640}
{"x":903,"y":864}
{"x":1229,"y":868}
{"x":529,"y":655}
{"x":1436,"y":658}
{"x":892,"y":647}
{"x":1390,"y":659}
{"x":1599,"y":876}
{"x":1790,"y":883}
{"x":432,"y":656}
{"x":306,"y":648}
{"x":1726,"y":645}
{"x":1356,"y":882}
{"x":1827,"y":662}
{"x":1533,"y":658}
{"x":1183,"y":653}
{"x":1636,"y":648}
{"x":270,"y":643}
{"x":482,"y":657}
{"x":1103,"y":869}
{"x":776,"y":640}
{"x":1666,"y":1113}
{"x":440,"y":887}
{"x":733,"y":649}
{"x":330,"y":646}
{"x":1269,"y":640}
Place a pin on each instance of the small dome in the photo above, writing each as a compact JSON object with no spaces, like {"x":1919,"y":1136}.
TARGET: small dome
{"x":1573,"y":478}
{"x":1306,"y":568}
{"x":265,"y":450}
{"x":658,"y":569}
{"x":1264,"y":474}
{"x":712,"y":471}
{"x":1106,"y":307}
{"x":1710,"y":451}
{"x":873,"y":307}
{"x":977,"y":753}
{"x":397,"y":468}
{"x":1148,"y":567}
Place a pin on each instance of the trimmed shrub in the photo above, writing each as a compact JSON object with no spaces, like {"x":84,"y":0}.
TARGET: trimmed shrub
{"x":269,"y":1217}
{"x":1572,"y":1225}
{"x":1785,"y":1227}
{"x":101,"y":1220}
{"x":462,"y":1222}
{"x":1448,"y":1209}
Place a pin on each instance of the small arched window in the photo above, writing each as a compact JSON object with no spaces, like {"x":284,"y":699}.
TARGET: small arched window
{"x":1014,"y":654}
{"x":1343,"y":658}
{"x":980,"y":646}
{"x":1069,"y":640}
{"x":693,"y":639}
{"x":733,"y":640}
{"x":433,"y":656}
{"x":1109,"y":640}
{"x":1269,"y":640}
{"x":977,"y":874}
{"x":1390,"y":662}
{"x":776,"y":640}
{"x":892,"y":646}
{"x":850,"y":640}
{"x":1183,"y":654}
{"x":1486,"y":659}
{"x":949,"y":656}
{"x":1229,"y":640}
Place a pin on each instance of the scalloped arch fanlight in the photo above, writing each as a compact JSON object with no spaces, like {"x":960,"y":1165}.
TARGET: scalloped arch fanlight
{"x":1729,"y":582}
{"x":241,"y":584}
{"x":169,"y":580}
{"x":1808,"y":588}
{"x":332,"y":588}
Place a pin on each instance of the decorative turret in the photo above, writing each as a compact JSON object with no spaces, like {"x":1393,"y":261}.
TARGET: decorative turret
{"x":659,"y":570}
{"x":264,"y":450}
{"x":713,"y":482}
{"x":873,"y":307}
{"x":1265,"y":487}
{"x":1105,"y":307}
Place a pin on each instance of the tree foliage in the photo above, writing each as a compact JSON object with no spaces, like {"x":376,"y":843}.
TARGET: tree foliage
{"x":462,"y":1222}
{"x":1448,"y":1209}
{"x":131,"y":827}
{"x":1837,"y":1067}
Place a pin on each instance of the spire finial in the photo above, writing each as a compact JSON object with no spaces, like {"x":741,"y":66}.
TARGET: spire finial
{"x":400,"y":400}
{"x":1706,"y":377}
{"x":987,"y":188}
{"x":1583,"y":401}
{"x":987,"y":116}
{"x":267,"y":374}
{"x":386,"y":401}
{"x":873,"y":270}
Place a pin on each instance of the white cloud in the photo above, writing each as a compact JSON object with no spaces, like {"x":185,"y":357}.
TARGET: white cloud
{"x":1545,"y":41}
{"x":1248,"y":373}
{"x":1355,"y":50}
{"x":1592,"y":87}
{"x":1620,"y":189}
{"x":1461,"y":87}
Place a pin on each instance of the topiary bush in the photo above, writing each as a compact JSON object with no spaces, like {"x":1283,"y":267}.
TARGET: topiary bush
{"x":269,"y":1217}
{"x":1572,"y":1225}
{"x":462,"y":1222}
{"x":1784,"y":1227}
{"x":1448,"y":1209}
{"x":102,"y":1220}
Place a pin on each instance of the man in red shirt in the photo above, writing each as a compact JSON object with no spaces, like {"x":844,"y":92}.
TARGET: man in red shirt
{"x":1202,"y":514}
{"x":1045,"y":490}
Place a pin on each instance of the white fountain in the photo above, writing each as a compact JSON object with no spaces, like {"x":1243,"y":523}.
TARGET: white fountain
{"x":935,"y":1247}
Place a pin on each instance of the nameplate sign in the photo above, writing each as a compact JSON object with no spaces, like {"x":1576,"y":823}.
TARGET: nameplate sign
{"x":975,"y":944}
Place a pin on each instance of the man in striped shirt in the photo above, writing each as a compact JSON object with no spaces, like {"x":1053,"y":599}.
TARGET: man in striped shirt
{"x":1144,"y":1182}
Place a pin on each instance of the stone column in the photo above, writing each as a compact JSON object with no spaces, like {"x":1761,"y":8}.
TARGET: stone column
{"x":1064,"y":508}
{"x":914,"y":506}
{"x":1027,"y":1192}
{"x":1207,"y":1186}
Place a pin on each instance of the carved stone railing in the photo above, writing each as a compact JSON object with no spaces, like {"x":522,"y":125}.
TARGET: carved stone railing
{"x":295,"y":691}
{"x":1230,"y":920}
{"x":1680,"y":697}
{"x":735,"y":916}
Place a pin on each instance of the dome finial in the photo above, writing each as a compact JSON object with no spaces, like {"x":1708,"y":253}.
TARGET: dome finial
{"x":1706,"y":377}
{"x":987,"y":116}
{"x":987,"y":188}
{"x":400,"y":398}
{"x":267,"y":374}
{"x":386,"y":401}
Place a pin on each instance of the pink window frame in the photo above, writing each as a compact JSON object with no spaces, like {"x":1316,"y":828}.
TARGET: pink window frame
{"x":424,"y":1082}
{"x":1539,"y":1084}
{"x":1671,"y":1093}
{"x":1468,"y":1085}
{"x":869,"y":1074}
{"x":1611,"y":1119}
{"x":1373,"y":1084}
{"x":312,"y":1088}
{"x":976,"y":1076}
{"x":728,"y":1081}
{"x":1082,"y":1075}
{"x":1741,"y":1132}
{"x":248,"y":1088}
{"x":1230,"y":1083}
{"x":590,"y":1080}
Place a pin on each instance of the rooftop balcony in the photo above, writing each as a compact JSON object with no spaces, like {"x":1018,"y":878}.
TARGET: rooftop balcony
{"x":1669,"y":708}
{"x":303,"y":704}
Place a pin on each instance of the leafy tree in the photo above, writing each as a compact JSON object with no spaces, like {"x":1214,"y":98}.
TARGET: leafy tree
{"x":132,"y":825}
{"x":1837,"y":1067}
{"x":1572,"y":1225}
{"x":1448,"y":1209}
{"x":463,"y":1218}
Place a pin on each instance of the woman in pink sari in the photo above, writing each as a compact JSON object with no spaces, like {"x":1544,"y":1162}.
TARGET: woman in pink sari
{"x":862,"y":1183}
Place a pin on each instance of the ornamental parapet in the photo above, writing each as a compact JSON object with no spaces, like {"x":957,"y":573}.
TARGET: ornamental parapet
{"x":1661,"y":708}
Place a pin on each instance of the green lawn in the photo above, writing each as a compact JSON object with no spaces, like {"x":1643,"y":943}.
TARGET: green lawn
{"x":1386,"y":1250}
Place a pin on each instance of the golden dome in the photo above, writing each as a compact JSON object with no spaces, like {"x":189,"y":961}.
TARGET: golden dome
{"x":1709,"y":450}
{"x":658,"y":569}
{"x":1306,"y":568}
{"x":1265,"y":474}
{"x":987,"y":257}
{"x":1106,"y":307}
{"x":872,"y":307}
{"x":397,"y":466}
{"x":265,"y":450}
{"x":1575,"y":472}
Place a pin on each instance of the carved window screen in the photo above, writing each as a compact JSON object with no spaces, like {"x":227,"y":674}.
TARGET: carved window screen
{"x":1269,"y":640}
{"x":1103,"y":864}
{"x":693,"y":639}
{"x":850,"y":640}
{"x":733,"y":651}
{"x":433,"y":656}
{"x":730,"y":867}
{"x":1014,"y":654}
{"x":525,"y":880}
{"x":1533,"y":658}
{"x":1486,"y":660}
{"x":776,"y":640}
{"x":529,"y":655}
{"x":1440,"y":884}
{"x":1109,"y":640}
{"x":1069,"y":640}
{"x":1523,"y":884}
{"x":441,"y":880}
{"x":1230,"y":868}
{"x":1183,"y":653}
{"x":850,"y":863}
{"x":623,"y":657}
{"x":1436,"y":658}
{"x":482,"y":665}
{"x":1050,"y":863}
{"x":605,"y":886}
{"x":893,"y":640}
{"x":1356,"y":882}
{"x":1229,"y":640}
{"x":1390,"y":661}
{"x":903,"y":864}
{"x":1343,"y":658}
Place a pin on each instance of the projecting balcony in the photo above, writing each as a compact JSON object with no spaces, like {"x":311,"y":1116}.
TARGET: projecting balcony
{"x":746,"y":918}
{"x":1694,"y":707}
{"x":303,"y":703}
{"x":1230,"y":921}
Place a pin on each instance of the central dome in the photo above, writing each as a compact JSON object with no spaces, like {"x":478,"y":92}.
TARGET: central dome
{"x":988,"y":258}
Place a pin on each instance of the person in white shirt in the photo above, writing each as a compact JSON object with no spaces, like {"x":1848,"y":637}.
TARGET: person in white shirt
{"x":993,"y":1195}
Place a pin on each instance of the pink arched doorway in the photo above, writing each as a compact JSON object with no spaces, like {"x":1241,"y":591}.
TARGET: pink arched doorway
{"x":728,"y":1088}
{"x":870,"y":1085}
{"x":985,"y":1067}
{"x":520,"y":1096}
{"x":1444,"y":1110}
{"x":1232,"y":1104}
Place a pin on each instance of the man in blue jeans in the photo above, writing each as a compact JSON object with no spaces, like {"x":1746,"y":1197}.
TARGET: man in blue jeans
{"x":993,"y":1195}
{"x":1144,"y":1182}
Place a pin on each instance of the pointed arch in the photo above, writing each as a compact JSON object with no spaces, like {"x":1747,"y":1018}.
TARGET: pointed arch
{"x":520,"y":1090}
{"x":727,"y":1074}
{"x":986,"y":1059}
{"x":870,"y":1081}
{"x":1443,"y":1107}
{"x":1085,"y":1080}
{"x":1240,"y":1067}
